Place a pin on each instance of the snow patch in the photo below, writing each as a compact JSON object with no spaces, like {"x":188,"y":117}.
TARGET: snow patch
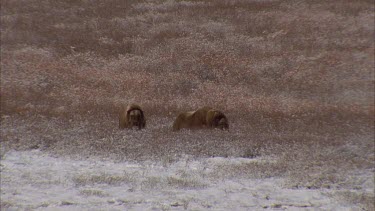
{"x":35,"y":180}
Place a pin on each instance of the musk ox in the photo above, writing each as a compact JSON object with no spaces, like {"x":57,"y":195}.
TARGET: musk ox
{"x":132,"y":116}
{"x":205,"y":117}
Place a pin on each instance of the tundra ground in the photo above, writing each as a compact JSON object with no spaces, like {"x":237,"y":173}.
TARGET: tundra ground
{"x":294,"y":78}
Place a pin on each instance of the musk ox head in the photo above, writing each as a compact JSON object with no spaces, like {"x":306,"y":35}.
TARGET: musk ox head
{"x":216,"y":119}
{"x":132,"y":116}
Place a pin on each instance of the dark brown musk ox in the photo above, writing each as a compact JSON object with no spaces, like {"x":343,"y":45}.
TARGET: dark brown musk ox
{"x":205,"y":117}
{"x":132,"y":116}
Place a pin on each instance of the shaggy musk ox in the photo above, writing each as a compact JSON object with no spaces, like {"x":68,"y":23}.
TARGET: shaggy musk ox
{"x":132,"y":116}
{"x":205,"y":117}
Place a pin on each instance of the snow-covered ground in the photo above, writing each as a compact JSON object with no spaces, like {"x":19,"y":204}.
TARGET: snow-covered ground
{"x":36,"y":180}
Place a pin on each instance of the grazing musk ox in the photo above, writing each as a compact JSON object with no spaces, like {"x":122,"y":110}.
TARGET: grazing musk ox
{"x":132,"y":116}
{"x":205,"y":117}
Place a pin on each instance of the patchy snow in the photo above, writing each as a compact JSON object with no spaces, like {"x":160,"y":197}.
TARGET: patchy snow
{"x":36,"y":180}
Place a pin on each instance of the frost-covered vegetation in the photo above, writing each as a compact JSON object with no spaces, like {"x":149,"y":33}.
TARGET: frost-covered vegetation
{"x":31,"y":180}
{"x":295,"y":79}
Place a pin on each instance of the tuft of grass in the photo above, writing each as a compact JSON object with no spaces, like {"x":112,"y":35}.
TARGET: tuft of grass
{"x":364,"y":201}
{"x":93,"y":192}
{"x":182,"y":182}
{"x":6,"y":204}
{"x":67,"y":203}
{"x":185,"y":183}
{"x":152,"y":182}
{"x":88,"y":179}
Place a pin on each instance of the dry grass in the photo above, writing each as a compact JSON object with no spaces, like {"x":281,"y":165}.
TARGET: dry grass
{"x":295,"y":79}
{"x":162,"y":182}
{"x":93,"y":192}
{"x":364,"y":200}
{"x":88,"y":179}
{"x":185,"y":182}
{"x":141,"y":179}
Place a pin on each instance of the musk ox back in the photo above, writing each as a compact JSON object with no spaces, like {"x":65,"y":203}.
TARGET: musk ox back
{"x":132,"y":116}
{"x":205,"y":117}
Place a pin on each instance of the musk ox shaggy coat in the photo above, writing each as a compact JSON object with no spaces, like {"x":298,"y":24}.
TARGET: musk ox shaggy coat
{"x":132,"y":116}
{"x":205,"y":117}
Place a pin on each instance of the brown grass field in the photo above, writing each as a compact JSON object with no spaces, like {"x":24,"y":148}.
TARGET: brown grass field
{"x":295,"y":79}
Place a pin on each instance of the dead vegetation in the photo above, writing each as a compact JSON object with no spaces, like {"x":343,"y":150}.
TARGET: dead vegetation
{"x":295,"y":79}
